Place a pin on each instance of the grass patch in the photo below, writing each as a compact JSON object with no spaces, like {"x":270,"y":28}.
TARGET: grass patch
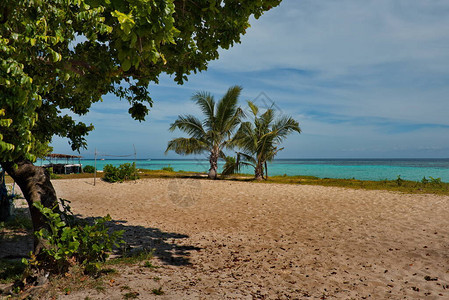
{"x":148,"y":264}
{"x":76,"y":280}
{"x":78,"y":176}
{"x":144,"y":173}
{"x":426,"y":186}
{"x":158,"y":291}
{"x":11,"y":270}
{"x":168,"y":169}
{"x":131,"y":295}
{"x":18,"y":221}
{"x":131,"y":259}
{"x":397,"y":185}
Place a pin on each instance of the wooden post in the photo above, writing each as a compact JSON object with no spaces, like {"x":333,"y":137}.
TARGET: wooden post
{"x":95,"y":166}
{"x":135,"y":168}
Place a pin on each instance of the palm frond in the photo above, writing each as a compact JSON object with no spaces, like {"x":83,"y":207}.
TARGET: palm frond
{"x":246,"y":159}
{"x":231,"y":166}
{"x":222,"y":155}
{"x":230,"y":125}
{"x":245,"y":137}
{"x":253,"y":107}
{"x":234,"y":164}
{"x":270,"y":155}
{"x":227,"y":108}
{"x":206,"y":103}
{"x":190,"y":125}
{"x":283,"y":127}
{"x":266,"y":119}
{"x":187,"y":146}
{"x":258,"y":140}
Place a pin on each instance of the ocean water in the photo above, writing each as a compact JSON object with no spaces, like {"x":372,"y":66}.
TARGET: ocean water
{"x":363,"y":169}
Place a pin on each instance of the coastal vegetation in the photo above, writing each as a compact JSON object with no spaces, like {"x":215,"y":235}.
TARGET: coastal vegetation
{"x":426,"y":186}
{"x":168,"y":169}
{"x":212,"y":134}
{"x":126,"y":171}
{"x":259,"y":140}
{"x":71,"y":241}
{"x":89,"y":169}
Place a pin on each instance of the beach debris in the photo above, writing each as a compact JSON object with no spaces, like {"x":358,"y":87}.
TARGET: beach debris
{"x":428,"y":278}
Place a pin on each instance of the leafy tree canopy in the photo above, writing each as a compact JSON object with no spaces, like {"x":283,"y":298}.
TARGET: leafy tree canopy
{"x":59,"y":56}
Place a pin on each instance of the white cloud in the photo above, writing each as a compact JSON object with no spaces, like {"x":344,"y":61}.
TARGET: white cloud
{"x":336,"y":35}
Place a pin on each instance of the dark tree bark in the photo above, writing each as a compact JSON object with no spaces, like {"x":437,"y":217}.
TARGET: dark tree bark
{"x":213,"y":160}
{"x":35,"y":184}
{"x":258,"y":172}
{"x":5,"y":205}
{"x":266,"y":170}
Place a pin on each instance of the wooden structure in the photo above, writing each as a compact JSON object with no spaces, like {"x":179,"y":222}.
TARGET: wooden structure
{"x":68,"y":167}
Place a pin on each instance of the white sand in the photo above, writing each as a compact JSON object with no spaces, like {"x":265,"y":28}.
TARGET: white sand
{"x":238,"y":240}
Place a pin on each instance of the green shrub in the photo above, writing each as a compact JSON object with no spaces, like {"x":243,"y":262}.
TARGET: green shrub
{"x":70,"y":242}
{"x":89,"y":169}
{"x":168,"y":169}
{"x":128,"y":171}
{"x":436,"y":181}
{"x":111,"y":173}
{"x":125,"y":171}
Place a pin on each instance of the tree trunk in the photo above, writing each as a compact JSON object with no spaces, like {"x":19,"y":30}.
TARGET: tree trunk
{"x":35,"y":184}
{"x":5,"y":205}
{"x":266,"y":170}
{"x":213,"y":160}
{"x":258,"y":174}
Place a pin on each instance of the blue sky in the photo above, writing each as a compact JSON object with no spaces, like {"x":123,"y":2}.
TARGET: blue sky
{"x":365,"y":79}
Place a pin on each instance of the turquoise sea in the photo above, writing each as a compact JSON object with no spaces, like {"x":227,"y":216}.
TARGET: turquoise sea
{"x":364,"y":169}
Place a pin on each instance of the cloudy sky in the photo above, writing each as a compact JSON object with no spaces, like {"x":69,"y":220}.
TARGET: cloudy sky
{"x":365,"y":79}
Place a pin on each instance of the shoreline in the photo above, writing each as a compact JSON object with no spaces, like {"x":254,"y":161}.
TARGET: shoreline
{"x":364,"y":169}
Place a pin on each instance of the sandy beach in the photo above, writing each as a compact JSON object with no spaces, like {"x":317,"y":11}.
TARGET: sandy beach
{"x":244,"y":240}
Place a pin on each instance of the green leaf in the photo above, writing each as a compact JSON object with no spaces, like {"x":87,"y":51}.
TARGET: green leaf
{"x":5,"y":122}
{"x":126,"y":65}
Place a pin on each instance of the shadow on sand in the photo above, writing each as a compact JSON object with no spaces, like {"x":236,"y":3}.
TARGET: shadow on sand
{"x":164,"y":245}
{"x":17,"y":242}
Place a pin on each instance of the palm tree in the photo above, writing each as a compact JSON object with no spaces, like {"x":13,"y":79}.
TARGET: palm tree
{"x":214,"y":133}
{"x":259,"y":141}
